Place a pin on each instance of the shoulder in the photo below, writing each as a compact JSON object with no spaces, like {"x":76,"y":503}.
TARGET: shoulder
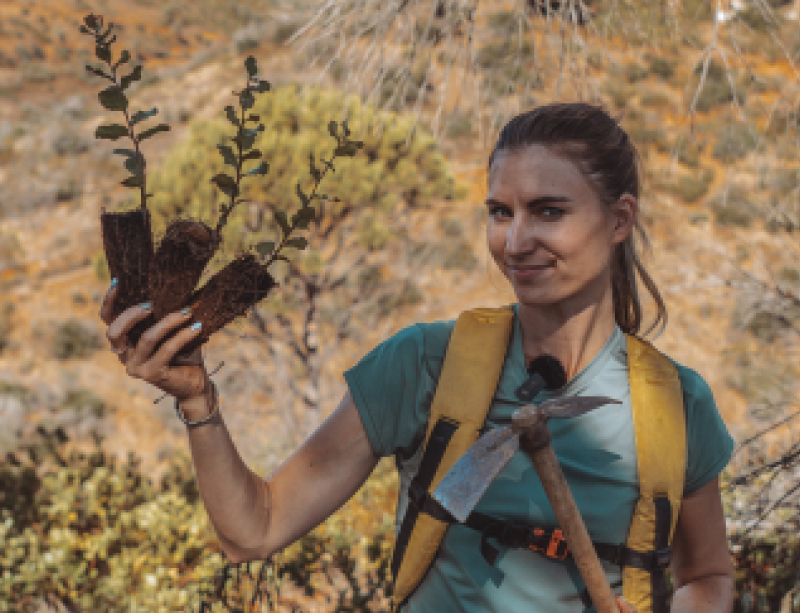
{"x":424,"y":339}
{"x":695,"y":388}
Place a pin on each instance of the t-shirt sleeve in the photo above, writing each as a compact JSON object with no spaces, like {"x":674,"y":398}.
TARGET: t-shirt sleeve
{"x":708,"y":441}
{"x":389,"y":387}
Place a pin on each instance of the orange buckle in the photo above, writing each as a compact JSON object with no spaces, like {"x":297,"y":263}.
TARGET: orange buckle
{"x":557,"y":546}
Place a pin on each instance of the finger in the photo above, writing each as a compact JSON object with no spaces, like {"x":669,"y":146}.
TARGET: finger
{"x":143,"y":352}
{"x":107,"y":306}
{"x":119,"y":328}
{"x":624,"y":606}
{"x":157,"y":369}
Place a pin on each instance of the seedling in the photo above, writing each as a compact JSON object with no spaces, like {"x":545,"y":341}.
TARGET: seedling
{"x":167,"y":276}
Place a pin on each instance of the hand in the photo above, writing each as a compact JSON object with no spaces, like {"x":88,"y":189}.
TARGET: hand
{"x":188,"y":379}
{"x":624,"y":607}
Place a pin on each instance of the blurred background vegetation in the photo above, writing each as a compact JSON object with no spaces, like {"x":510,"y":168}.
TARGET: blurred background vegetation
{"x":111,"y":519}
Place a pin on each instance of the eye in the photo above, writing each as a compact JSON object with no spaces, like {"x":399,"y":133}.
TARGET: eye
{"x":496,"y":208}
{"x":552,"y":212}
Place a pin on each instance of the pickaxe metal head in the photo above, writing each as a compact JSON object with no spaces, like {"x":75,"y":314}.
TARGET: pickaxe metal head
{"x":468,"y":479}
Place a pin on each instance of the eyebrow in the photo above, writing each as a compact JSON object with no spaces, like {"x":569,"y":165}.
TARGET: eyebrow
{"x":534,"y":202}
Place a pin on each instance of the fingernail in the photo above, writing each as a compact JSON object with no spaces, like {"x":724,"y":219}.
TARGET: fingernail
{"x":113,"y":282}
{"x":146,"y":306}
{"x":186,"y":311}
{"x":197,"y":326}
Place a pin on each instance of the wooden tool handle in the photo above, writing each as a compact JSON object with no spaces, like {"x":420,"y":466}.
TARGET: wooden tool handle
{"x":571,"y":523}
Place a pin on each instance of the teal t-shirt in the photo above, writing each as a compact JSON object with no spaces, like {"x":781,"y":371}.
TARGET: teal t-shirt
{"x":393,"y":387}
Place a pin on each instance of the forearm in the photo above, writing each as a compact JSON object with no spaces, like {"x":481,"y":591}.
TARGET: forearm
{"x":231,"y":492}
{"x":710,"y":594}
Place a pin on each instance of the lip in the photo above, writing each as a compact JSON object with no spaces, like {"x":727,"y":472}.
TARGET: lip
{"x":528,"y":272}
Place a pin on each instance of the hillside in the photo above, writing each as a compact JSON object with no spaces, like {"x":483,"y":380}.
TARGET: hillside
{"x":705,"y":209}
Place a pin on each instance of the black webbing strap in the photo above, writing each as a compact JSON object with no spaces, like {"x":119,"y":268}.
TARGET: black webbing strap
{"x":663,"y":524}
{"x":431,"y":457}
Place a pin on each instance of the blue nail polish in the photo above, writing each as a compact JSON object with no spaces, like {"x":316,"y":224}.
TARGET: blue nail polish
{"x":113,"y":282}
{"x":196,"y":326}
{"x":146,"y":306}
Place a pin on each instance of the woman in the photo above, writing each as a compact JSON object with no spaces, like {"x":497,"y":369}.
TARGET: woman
{"x":562,"y":203}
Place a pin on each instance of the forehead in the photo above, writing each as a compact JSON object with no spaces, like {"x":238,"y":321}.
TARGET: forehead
{"x":535,"y":169}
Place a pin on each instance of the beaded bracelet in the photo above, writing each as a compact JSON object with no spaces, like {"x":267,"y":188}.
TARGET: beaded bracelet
{"x":205,"y":419}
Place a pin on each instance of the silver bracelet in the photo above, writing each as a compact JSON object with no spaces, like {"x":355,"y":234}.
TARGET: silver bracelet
{"x":205,"y":419}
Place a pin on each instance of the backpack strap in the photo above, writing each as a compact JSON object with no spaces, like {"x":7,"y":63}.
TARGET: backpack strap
{"x":660,"y":429}
{"x":470,"y":374}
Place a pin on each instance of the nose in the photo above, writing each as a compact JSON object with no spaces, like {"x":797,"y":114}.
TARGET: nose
{"x":517,"y":239}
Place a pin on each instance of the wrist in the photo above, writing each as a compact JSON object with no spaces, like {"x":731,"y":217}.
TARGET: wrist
{"x":198,"y":408}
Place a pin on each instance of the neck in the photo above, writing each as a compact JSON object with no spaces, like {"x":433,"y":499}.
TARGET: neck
{"x":572,"y":331}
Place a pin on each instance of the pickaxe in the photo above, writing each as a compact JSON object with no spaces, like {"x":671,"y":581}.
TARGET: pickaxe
{"x":465,"y":483}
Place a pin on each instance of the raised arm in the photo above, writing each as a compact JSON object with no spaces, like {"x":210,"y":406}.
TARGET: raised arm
{"x":255,"y":517}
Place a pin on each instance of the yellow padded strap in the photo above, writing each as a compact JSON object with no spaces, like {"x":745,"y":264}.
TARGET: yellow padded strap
{"x":469,"y":377}
{"x":660,"y":427}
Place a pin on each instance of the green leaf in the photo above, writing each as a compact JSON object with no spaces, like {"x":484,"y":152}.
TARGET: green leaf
{"x":346,"y":131}
{"x":136,"y":75}
{"x":134,"y":181}
{"x":246,"y":100}
{"x":226,"y":184}
{"x":315,"y":172}
{"x":135,"y":164}
{"x":162,"y":127}
{"x":261,"y":169}
{"x":127,"y":152}
{"x":333,"y":128}
{"x":254,"y":154}
{"x":124,"y":57}
{"x":265,"y":247}
{"x":303,"y":217}
{"x":253,"y":118}
{"x":111,"y":132}
{"x":248,"y":138}
{"x":103,"y":53}
{"x":298,"y":242}
{"x":142,"y":115}
{"x":231,"y":112}
{"x":223,"y":180}
{"x":302,"y":196}
{"x":99,"y":73}
{"x":113,"y":99}
{"x":280,"y":218}
{"x":263,"y":86}
{"x":85,"y":30}
{"x":228,"y":155}
{"x":348,"y":149}
{"x":250,"y":65}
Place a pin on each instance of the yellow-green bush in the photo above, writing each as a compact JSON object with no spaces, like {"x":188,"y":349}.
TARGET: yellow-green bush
{"x":98,"y":535}
{"x":385,"y":172}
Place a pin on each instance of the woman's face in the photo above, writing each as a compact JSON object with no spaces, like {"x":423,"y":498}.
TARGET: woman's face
{"x":547,"y":230}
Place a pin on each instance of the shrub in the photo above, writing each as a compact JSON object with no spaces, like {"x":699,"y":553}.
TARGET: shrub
{"x":735,"y":143}
{"x":716,"y":87}
{"x":460,"y":256}
{"x":508,"y":23}
{"x":6,"y":327}
{"x":284,"y":32}
{"x":733,"y":208}
{"x":689,"y":188}
{"x":94,"y":534}
{"x":660,"y":66}
{"x":386,"y":172}
{"x":459,"y":126}
{"x":635,"y":72}
{"x":495,"y":55}
{"x":73,"y":340}
{"x":83,"y":401}
{"x":69,"y":143}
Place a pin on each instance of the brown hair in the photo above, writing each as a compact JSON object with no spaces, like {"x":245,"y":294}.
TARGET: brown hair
{"x":589,"y":137}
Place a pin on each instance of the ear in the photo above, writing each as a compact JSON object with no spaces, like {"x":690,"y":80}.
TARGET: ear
{"x":624,"y":212}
